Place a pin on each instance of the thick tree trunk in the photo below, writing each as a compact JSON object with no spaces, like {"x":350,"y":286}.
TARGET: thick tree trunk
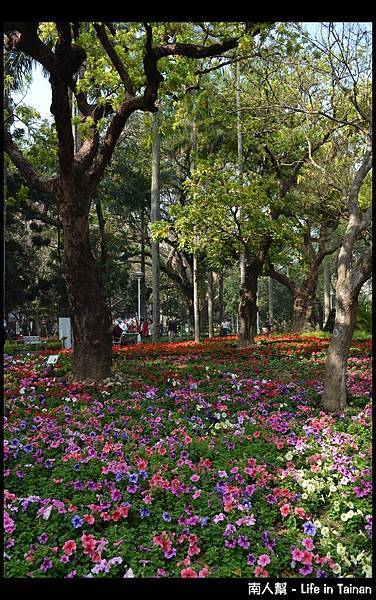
{"x":90,"y":316}
{"x":248,"y":303}
{"x":210,"y":304}
{"x":302,"y":310}
{"x":303,"y":300}
{"x":103,"y":245}
{"x":334,"y":397}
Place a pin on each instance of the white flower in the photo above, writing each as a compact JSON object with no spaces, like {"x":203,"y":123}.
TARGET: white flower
{"x":325,"y":531}
{"x":367,"y":570}
{"x":289,"y":455}
{"x":337,"y":569}
{"x":128,"y":573}
{"x":340,"y":549}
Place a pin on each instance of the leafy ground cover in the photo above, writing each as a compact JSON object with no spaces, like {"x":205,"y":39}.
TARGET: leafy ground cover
{"x":191,"y":462}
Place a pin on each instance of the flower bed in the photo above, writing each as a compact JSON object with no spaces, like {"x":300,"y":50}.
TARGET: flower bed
{"x":193,"y":461}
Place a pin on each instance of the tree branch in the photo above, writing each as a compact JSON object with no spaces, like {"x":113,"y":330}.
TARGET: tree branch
{"x":115,"y":59}
{"x":280,"y":277}
{"x":33,"y":180}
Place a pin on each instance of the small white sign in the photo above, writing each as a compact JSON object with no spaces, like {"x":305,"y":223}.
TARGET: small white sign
{"x":52,"y":359}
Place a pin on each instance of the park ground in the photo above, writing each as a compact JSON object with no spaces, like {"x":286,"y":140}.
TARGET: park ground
{"x":192,"y":461}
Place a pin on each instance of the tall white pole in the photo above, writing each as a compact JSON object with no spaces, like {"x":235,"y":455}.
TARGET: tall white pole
{"x":139,"y":299}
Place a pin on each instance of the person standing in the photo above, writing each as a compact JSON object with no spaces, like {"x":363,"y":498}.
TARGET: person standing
{"x":170,"y":330}
{"x":225,"y":326}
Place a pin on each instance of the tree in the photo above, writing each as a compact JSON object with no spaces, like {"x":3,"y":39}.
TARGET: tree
{"x":70,"y":45}
{"x":349,"y":66}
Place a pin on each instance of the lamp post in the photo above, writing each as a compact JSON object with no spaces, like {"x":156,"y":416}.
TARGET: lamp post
{"x":138,"y":275}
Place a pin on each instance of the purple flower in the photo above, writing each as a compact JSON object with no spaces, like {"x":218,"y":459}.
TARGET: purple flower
{"x":166,"y":517}
{"x":243,"y":542}
{"x":133,"y":478}
{"x":251,"y":559}
{"x":271,"y":499}
{"x":170,"y":553}
{"x":77,"y":521}
{"x":320,"y":573}
{"x":309,"y":528}
{"x":64,"y":559}
{"x":144,"y":512}
{"x":43,"y":538}
{"x":46,"y":565}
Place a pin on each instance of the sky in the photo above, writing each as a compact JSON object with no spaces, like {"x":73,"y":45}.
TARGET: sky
{"x":39,"y":93}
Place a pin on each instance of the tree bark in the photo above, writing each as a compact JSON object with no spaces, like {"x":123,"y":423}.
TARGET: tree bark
{"x":90,"y":316}
{"x":248,"y":303}
{"x":154,"y":217}
{"x":210,"y":304}
{"x":303,"y":299}
{"x":103,"y":245}
{"x":335,"y":396}
{"x":326,"y":291}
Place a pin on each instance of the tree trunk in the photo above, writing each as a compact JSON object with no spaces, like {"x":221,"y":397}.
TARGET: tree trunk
{"x":326,"y":291}
{"x":154,"y":217}
{"x":334,"y":397}
{"x":302,"y":310}
{"x":303,"y":300}
{"x":196,"y":302}
{"x":90,"y":316}
{"x":103,"y":245}
{"x":248,"y":303}
{"x":210,"y":304}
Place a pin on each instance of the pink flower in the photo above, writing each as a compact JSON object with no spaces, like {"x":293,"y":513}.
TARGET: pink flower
{"x":204,"y":572}
{"x":188,"y":573}
{"x":261,"y":572}
{"x":9,"y":525}
{"x":300,"y":512}
{"x":195,"y":477}
{"x":69,"y":547}
{"x":89,"y":519}
{"x":308,"y":543}
{"x":285,"y":510}
{"x":297,"y":554}
{"x":218,"y":518}
{"x":307,"y":558}
{"x":263,"y":560}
